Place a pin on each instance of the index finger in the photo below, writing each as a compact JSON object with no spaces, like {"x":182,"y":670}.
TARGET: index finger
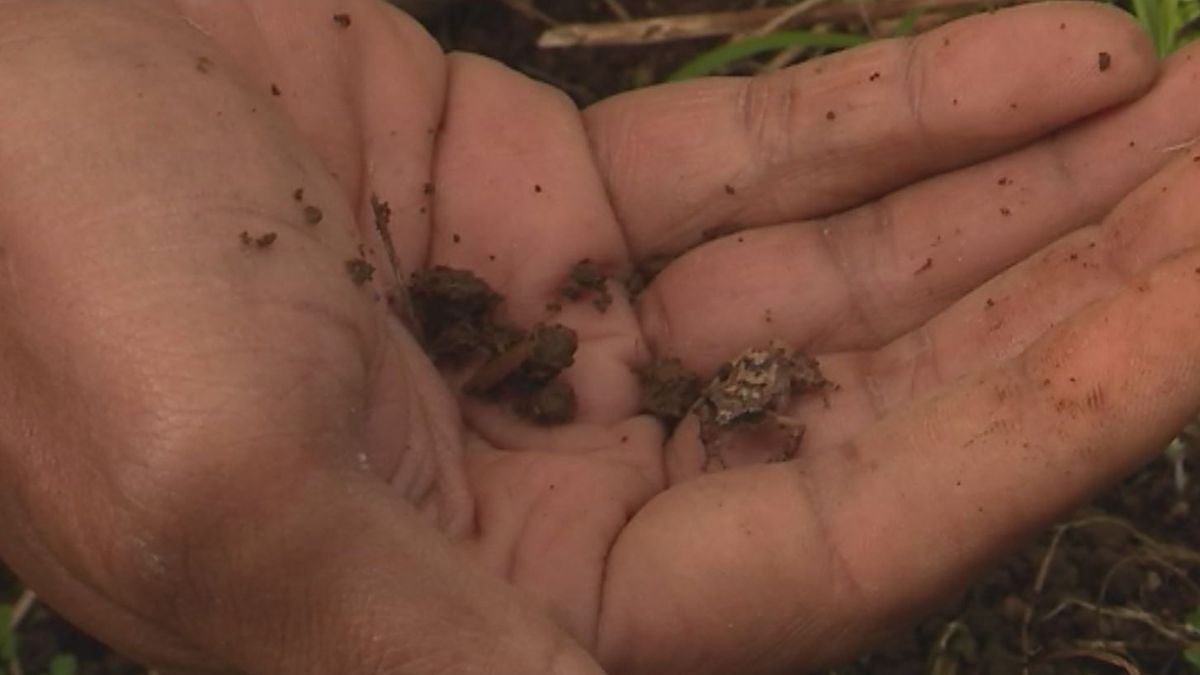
{"x":685,"y":161}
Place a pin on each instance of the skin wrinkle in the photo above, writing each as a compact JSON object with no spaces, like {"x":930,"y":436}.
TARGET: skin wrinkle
{"x":915,"y":68}
{"x":856,"y":280}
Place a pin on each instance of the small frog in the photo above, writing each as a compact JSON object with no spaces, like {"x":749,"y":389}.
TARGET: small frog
{"x":754,"y":387}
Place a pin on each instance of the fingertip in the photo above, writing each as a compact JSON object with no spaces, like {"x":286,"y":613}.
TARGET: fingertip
{"x":653,"y":318}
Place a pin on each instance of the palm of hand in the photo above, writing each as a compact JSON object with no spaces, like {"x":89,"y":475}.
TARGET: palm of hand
{"x":895,"y":292}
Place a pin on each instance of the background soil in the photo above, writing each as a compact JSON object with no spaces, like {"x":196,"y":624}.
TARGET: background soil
{"x":1110,"y":591}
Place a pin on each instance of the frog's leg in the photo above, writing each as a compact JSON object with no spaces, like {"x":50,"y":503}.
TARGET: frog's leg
{"x":710,"y":438}
{"x":795,"y":430}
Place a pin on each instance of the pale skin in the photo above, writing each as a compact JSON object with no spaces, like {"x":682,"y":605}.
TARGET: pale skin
{"x":224,"y":458}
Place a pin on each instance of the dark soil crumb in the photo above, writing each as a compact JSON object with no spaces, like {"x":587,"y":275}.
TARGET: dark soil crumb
{"x":925,"y":267}
{"x":525,"y":372}
{"x":342,"y":20}
{"x":1004,"y":181}
{"x":550,"y":405}
{"x":429,"y":189}
{"x":262,"y":241}
{"x":830,"y":115}
{"x":874,"y":76}
{"x":298,"y":194}
{"x":586,"y":279}
{"x":360,"y":271}
{"x":275,"y":90}
{"x":537,"y":189}
{"x":1005,"y":211}
{"x":313,"y":215}
{"x":1105,"y":61}
{"x":527,"y":364}
{"x":204,"y":65}
{"x":453,"y":309}
{"x":456,"y":238}
{"x":730,"y":190}
{"x":669,"y":390}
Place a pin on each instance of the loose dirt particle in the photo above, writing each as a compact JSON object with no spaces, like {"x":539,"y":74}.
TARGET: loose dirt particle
{"x":266,"y":240}
{"x":990,"y":303}
{"x":1105,"y":61}
{"x":830,"y":115}
{"x":1004,"y":181}
{"x":342,"y":20}
{"x":245,"y":238}
{"x":586,"y":278}
{"x":298,"y":194}
{"x":874,"y":76}
{"x":457,"y":239}
{"x":428,"y":189}
{"x":550,"y":405}
{"x":275,"y":90}
{"x":668,"y":390}
{"x":204,"y":64}
{"x":730,"y":190}
{"x":1005,"y":211}
{"x":924,"y":268}
{"x":537,"y":189}
{"x":313,"y":215}
{"x":360,"y":271}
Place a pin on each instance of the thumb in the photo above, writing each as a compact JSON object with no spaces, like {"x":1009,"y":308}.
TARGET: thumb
{"x":344,"y":579}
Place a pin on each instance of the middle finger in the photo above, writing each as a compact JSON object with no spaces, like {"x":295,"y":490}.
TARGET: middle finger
{"x":859,"y":280}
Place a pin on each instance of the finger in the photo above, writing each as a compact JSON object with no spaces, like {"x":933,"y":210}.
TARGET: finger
{"x":518,"y":202}
{"x":993,"y":323}
{"x":858,"y":280}
{"x":367,"y":97}
{"x":845,"y":546}
{"x":834,"y":133}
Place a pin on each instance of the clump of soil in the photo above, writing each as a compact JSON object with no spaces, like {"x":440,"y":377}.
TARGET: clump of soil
{"x":455,"y":310}
{"x":587,"y":279}
{"x":550,"y":405}
{"x":669,"y":390}
{"x":360,"y":271}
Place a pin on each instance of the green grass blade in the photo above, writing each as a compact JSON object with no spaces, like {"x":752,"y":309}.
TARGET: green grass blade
{"x":8,"y":639}
{"x":908,"y":23}
{"x":63,"y":664}
{"x":1192,"y":656}
{"x":717,"y":58}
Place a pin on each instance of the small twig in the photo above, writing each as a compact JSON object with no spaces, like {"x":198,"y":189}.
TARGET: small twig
{"x":21,"y":609}
{"x":1177,"y":633}
{"x":720,"y":24}
{"x":527,"y":9}
{"x":1096,"y":655}
{"x":785,"y":17}
{"x":1144,"y":557}
{"x":618,"y":10}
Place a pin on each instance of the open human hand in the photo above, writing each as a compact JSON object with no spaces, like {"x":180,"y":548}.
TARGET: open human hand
{"x":221,"y":453}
